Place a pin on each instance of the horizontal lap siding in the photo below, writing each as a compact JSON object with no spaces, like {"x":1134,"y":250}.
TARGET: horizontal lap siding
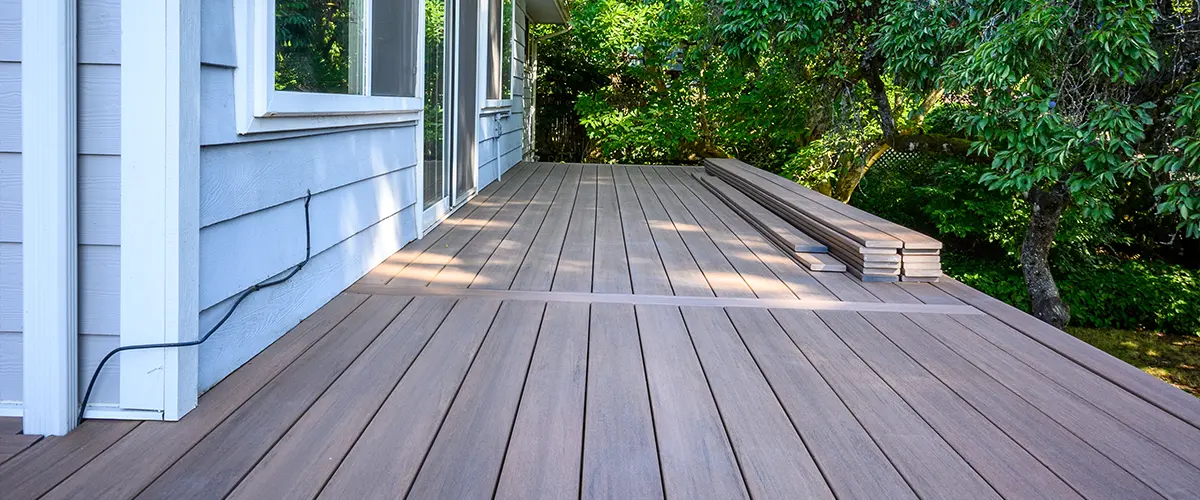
{"x":252,"y":191}
{"x":510,"y":141}
{"x":99,"y":195}
{"x":99,"y":187}
{"x":10,"y":205}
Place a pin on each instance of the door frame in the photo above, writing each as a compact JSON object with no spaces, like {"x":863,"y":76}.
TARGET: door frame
{"x":435,"y":214}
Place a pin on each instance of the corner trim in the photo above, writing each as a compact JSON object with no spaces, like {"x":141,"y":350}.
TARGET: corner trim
{"x":50,"y":240}
{"x":160,"y":205}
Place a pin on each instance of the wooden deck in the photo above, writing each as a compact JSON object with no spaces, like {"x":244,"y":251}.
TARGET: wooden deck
{"x":617,"y":332}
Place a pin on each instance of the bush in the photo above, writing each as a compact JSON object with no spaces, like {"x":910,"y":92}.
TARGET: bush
{"x":1124,"y":295}
{"x":983,"y":229}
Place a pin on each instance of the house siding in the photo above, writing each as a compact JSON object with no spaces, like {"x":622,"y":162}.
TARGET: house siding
{"x":252,"y":189}
{"x":508,"y":139}
{"x":10,"y":206}
{"x":99,"y":186}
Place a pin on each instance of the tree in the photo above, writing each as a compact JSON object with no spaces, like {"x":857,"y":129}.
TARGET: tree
{"x":1072,"y":101}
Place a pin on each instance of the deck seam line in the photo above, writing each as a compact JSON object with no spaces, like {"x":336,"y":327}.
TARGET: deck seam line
{"x":666,"y":300}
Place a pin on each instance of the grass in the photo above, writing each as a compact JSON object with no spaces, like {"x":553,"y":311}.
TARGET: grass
{"x":1173,"y":358}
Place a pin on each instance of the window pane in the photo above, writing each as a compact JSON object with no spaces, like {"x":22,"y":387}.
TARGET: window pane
{"x":435,"y":101}
{"x":318,"y":46}
{"x":506,"y":51}
{"x":394,"y":48}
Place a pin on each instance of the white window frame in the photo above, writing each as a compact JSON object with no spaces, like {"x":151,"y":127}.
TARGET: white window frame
{"x":493,"y":106}
{"x":261,"y":108}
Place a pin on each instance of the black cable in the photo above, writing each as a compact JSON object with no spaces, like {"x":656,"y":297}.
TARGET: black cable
{"x":245,"y":293}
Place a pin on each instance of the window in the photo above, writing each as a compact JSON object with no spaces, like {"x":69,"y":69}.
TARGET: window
{"x":306,"y":64}
{"x":500,"y":49}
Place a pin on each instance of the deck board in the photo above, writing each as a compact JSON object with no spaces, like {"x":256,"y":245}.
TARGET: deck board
{"x":219,"y":461}
{"x":545,"y":452}
{"x":147,"y":451}
{"x":610,"y":263}
{"x":682,"y":268}
{"x":931,"y":466}
{"x":620,"y":453}
{"x":756,"y":276}
{"x":318,"y":441}
{"x":465,"y":459}
{"x":841,"y":447}
{"x":697,"y":458}
{"x":617,"y":331}
{"x":775,"y":461}
{"x":1081,"y":466}
{"x":724,"y":280}
{"x":524,"y":213}
{"x":574,"y":270}
{"x":646,"y":269}
{"x":414,"y":411}
{"x":540,"y":262}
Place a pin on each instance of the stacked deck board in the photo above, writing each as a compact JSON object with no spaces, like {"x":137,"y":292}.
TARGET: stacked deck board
{"x":801,"y":247}
{"x":873,"y":248}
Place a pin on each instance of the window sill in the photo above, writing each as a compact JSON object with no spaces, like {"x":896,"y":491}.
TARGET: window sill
{"x":290,"y":111}
{"x":496,"y":106}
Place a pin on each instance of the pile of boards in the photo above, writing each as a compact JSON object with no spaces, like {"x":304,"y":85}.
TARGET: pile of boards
{"x":792,"y":216}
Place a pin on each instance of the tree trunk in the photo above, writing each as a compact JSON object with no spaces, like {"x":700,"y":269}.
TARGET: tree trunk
{"x":1045,"y":214}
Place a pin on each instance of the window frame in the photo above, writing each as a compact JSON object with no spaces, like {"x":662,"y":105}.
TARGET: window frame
{"x":261,"y":108}
{"x":490,"y":105}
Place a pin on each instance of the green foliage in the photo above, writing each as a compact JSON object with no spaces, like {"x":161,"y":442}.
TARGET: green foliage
{"x":1127,"y":295}
{"x":311,"y":45}
{"x":1055,"y":92}
{"x":1180,"y":164}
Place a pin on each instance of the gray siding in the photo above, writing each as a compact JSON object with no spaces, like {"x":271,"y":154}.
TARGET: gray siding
{"x":99,"y":194}
{"x":10,"y":204}
{"x":509,"y":139}
{"x":252,"y":216}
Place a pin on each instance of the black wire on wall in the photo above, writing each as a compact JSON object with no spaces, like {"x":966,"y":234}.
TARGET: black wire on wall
{"x":245,"y":293}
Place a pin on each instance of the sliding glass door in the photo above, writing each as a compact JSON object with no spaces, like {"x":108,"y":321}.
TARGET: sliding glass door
{"x":437,"y":112}
{"x":450,"y":105}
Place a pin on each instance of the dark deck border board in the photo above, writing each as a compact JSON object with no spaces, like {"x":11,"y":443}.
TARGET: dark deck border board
{"x":1170,"y":399}
{"x":666,"y":300}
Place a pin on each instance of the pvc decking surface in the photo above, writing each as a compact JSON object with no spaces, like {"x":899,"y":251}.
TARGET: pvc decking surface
{"x":618,"y":332}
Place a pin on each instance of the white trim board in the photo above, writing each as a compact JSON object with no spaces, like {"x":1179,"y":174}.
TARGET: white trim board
{"x":49,"y":231}
{"x":160,"y":214}
{"x":11,"y":410}
{"x":261,"y":108}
